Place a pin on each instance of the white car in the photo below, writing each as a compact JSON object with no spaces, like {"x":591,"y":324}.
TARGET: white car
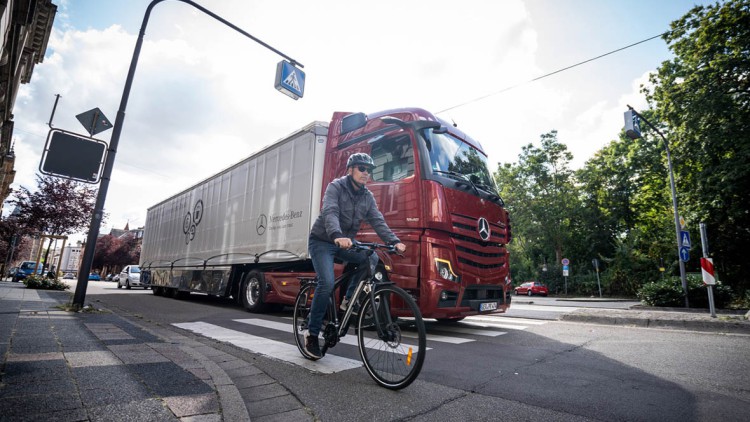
{"x":130,"y":276}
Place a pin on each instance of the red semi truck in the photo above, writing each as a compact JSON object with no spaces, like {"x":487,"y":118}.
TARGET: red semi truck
{"x":243,"y":232}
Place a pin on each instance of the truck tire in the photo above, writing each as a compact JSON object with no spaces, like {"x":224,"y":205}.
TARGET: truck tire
{"x":251,"y":293}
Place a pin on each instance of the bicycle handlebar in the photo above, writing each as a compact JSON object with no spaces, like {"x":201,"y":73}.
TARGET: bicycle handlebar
{"x":357,"y":245}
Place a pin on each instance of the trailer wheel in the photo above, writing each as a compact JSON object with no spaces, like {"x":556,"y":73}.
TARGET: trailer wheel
{"x":252,"y":293}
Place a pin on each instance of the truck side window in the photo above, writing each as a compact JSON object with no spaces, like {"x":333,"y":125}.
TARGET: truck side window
{"x":394,"y":159}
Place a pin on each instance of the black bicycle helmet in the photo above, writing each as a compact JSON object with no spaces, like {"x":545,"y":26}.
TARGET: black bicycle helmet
{"x":360,"y":159}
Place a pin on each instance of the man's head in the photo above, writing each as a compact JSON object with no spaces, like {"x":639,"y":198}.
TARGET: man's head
{"x":359,"y":167}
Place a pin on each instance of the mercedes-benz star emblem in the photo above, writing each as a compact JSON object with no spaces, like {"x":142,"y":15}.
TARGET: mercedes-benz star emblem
{"x":483,"y":227}
{"x":260,"y":226}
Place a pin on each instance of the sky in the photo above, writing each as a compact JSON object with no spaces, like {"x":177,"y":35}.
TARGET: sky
{"x":203,"y":96}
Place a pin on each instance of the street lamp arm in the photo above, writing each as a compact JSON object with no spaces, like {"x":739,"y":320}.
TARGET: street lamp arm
{"x":677,"y":227}
{"x":220,"y":19}
{"x":640,"y":116}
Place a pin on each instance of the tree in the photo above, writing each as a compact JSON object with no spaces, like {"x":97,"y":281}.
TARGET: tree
{"x":117,"y":252}
{"x":13,"y":243}
{"x":542,"y":199}
{"x":58,"y":207}
{"x":703,"y":97}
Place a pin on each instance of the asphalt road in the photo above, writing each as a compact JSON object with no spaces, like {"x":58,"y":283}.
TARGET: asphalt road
{"x":491,"y":367}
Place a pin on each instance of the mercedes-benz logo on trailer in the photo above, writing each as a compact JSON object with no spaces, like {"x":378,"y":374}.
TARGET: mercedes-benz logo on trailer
{"x":483,"y":227}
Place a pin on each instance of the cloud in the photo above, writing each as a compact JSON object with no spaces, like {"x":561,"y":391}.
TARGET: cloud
{"x":202,"y":97}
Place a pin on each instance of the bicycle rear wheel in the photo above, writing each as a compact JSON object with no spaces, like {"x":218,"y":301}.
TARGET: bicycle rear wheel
{"x":300,"y":319}
{"x":393,"y":352}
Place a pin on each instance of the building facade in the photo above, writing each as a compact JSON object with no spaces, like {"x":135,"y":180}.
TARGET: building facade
{"x":25,"y":28}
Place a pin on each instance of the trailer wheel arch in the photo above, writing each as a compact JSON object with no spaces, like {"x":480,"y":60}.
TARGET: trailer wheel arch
{"x":251,"y":292}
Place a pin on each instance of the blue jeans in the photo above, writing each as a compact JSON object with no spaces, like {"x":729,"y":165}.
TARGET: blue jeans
{"x":322,"y":254}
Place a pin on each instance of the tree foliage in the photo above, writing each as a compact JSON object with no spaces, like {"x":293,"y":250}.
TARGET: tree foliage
{"x":58,"y":206}
{"x":703,"y":97}
{"x":618,"y":207}
{"x":540,"y":195}
{"x":116,"y":252}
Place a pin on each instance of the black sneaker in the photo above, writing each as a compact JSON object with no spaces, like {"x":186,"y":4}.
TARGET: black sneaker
{"x":312,"y":347}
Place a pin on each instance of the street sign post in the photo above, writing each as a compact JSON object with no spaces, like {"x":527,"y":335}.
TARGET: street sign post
{"x":595,"y":263}
{"x":707,"y":270}
{"x":566,"y":271}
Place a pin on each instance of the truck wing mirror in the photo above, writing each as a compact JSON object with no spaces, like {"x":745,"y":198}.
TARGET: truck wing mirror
{"x":353,"y":122}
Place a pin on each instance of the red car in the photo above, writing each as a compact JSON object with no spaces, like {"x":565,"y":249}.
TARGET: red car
{"x":532,"y":288}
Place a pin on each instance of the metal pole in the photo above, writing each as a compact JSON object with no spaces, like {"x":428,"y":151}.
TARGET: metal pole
{"x":96,"y":219}
{"x":704,"y":246}
{"x":52,"y":116}
{"x":683,"y":276}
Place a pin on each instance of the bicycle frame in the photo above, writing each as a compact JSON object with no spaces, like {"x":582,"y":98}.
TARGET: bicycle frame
{"x":367,"y":286}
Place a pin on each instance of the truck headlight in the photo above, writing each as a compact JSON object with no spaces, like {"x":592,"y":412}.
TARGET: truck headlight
{"x":445,"y":270}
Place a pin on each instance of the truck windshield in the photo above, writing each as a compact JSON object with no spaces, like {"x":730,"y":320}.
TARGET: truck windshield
{"x":451,"y":157}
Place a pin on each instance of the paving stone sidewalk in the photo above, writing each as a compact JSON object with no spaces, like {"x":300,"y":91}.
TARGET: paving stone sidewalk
{"x":57,"y":365}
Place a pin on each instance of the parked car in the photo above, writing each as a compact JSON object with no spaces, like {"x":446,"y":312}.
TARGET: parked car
{"x":26,"y":269}
{"x":130,"y":276}
{"x":94,"y":277}
{"x":531,"y":288}
{"x":69,"y":276}
{"x":108,"y":277}
{"x":11,"y":271}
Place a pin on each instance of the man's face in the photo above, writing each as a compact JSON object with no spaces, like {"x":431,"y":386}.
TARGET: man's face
{"x":360,"y":173}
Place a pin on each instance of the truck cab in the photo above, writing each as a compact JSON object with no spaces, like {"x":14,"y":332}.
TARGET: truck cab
{"x":433,"y":186}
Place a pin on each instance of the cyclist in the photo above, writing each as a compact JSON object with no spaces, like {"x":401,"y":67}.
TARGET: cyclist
{"x":346,"y":203}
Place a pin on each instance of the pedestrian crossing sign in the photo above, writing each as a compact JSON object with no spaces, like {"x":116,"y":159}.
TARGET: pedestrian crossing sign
{"x":290,"y":80}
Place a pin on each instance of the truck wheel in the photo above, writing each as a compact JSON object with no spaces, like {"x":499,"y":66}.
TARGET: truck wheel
{"x":252,"y":293}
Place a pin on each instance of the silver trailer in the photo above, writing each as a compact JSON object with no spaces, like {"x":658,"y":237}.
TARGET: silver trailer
{"x":215,"y":237}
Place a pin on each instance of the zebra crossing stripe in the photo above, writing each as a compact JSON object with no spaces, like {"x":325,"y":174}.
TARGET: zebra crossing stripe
{"x":273,"y":349}
{"x":349,"y":339}
{"x":474,"y":331}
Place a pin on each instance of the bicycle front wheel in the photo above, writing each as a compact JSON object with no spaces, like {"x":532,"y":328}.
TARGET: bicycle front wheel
{"x":392,"y":349}
{"x":301,"y":313}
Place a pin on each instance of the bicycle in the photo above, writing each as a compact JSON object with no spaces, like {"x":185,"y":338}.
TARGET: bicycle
{"x":381,"y":308}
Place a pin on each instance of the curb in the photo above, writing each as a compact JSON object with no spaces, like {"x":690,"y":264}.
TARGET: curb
{"x":652,"y":321}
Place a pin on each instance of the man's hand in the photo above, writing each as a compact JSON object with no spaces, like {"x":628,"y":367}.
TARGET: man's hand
{"x":400,"y":247}
{"x":343,"y":242}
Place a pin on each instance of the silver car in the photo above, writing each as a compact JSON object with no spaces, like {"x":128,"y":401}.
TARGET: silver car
{"x":130,"y":276}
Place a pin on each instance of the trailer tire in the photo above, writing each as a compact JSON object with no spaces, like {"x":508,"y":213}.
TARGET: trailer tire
{"x":251,"y":293}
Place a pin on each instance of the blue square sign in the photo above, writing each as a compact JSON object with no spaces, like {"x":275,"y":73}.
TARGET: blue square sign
{"x":290,"y":80}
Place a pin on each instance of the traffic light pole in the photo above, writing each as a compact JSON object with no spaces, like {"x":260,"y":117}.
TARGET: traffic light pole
{"x":96,"y":220}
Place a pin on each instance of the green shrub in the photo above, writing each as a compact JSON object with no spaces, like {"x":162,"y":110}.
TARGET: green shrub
{"x":38,"y":282}
{"x":662,"y":293}
{"x":669,"y":292}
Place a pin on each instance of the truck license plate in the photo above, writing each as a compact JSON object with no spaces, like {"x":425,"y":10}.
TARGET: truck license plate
{"x":489,"y":306}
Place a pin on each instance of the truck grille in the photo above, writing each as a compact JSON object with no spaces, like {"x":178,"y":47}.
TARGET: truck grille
{"x":472,"y":250}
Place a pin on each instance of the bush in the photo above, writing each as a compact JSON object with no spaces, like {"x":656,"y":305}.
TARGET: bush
{"x":38,"y":282}
{"x":663,"y":293}
{"x":669,"y":292}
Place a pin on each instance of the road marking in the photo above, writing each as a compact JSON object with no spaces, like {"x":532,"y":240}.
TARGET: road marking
{"x":273,"y":349}
{"x":281,"y":326}
{"x":473,"y":331}
{"x":543,"y":308}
